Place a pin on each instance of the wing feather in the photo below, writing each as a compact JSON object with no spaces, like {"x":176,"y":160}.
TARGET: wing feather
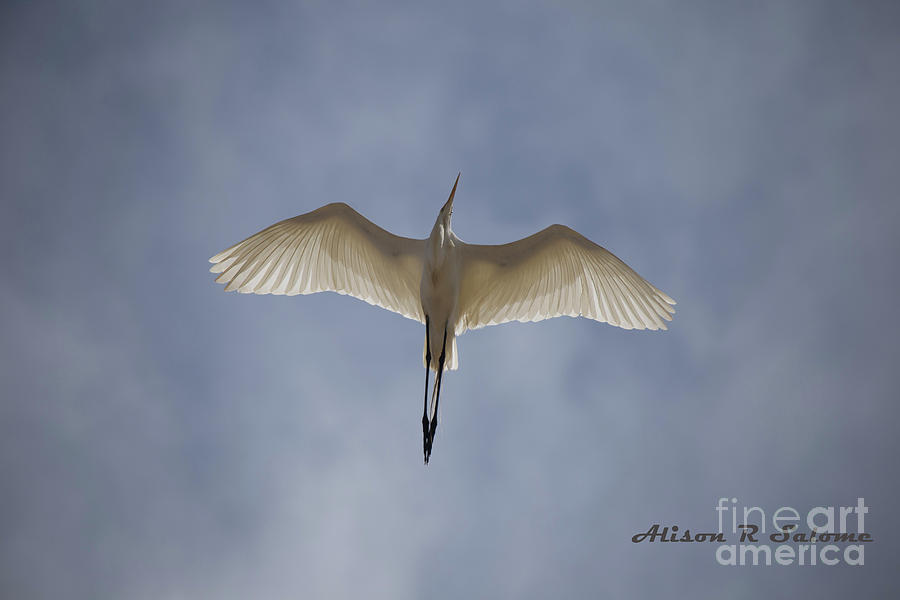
{"x":555,"y":272}
{"x":333,"y":248}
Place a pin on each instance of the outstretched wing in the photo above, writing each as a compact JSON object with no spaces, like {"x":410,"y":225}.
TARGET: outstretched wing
{"x":553,"y":273}
{"x":333,"y":248}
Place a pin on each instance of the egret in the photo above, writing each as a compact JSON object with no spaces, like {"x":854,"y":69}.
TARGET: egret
{"x":446,"y":284}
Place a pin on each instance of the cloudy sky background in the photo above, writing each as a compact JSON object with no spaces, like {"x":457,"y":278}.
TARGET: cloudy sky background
{"x":162,"y":439}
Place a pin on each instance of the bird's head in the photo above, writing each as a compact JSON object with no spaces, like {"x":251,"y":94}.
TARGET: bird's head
{"x":447,"y":209}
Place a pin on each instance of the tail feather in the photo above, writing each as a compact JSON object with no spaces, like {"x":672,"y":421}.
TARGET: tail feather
{"x":451,"y":362}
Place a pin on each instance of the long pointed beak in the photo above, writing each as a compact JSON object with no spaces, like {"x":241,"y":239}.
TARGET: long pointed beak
{"x":449,"y":202}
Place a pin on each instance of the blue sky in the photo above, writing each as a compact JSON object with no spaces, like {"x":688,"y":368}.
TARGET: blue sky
{"x":162,"y":439}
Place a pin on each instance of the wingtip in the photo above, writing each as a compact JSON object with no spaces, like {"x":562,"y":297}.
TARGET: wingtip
{"x":665,"y":296}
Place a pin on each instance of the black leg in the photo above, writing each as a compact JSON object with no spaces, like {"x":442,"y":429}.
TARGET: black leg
{"x":437,"y":397}
{"x":426,"y":445}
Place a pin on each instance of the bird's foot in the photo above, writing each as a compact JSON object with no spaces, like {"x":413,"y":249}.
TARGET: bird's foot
{"x":426,"y":439}
{"x":429,"y":437}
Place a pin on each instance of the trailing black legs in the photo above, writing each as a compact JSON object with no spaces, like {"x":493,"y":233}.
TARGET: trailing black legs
{"x":426,"y":444}
{"x":428,"y":431}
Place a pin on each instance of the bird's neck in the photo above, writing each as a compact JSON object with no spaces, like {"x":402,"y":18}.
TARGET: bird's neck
{"x":439,"y":242}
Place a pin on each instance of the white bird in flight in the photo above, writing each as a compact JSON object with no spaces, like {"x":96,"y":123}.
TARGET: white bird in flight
{"x":441,"y":281}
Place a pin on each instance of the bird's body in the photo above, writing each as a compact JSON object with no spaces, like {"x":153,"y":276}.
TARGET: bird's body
{"x":441,"y":281}
{"x":439,"y":289}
